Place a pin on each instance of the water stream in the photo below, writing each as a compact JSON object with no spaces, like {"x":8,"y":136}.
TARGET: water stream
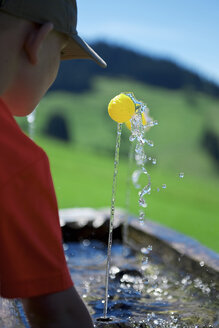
{"x":116,"y":163}
{"x":139,"y":122}
{"x":31,"y":123}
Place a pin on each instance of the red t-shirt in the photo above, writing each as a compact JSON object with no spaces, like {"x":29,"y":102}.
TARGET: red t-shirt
{"x":32,"y":260}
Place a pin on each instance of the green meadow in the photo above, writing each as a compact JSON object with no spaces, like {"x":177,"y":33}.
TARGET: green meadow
{"x":83,"y":167}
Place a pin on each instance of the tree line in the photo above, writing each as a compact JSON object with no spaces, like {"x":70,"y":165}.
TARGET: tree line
{"x":77,"y":75}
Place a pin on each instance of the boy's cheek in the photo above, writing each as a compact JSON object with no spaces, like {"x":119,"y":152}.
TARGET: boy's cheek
{"x":21,"y":101}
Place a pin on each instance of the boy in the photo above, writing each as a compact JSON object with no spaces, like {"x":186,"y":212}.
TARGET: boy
{"x":34,"y":36}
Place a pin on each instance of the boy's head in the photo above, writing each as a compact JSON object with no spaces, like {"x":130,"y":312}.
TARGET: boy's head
{"x":35,"y":36}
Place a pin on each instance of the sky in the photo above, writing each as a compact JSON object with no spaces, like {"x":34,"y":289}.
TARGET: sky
{"x":186,"y":31}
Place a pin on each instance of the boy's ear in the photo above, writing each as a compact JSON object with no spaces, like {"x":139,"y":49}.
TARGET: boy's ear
{"x":34,"y":40}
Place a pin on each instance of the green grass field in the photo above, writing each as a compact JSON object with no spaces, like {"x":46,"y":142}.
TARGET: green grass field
{"x":84,"y":179}
{"x":83,"y":168}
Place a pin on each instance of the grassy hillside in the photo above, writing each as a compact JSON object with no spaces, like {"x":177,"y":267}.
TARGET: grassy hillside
{"x":84,"y":179}
{"x":82,"y":168}
{"x":183,"y":117}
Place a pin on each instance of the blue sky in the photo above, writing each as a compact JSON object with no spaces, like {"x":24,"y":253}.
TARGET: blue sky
{"x":186,"y":31}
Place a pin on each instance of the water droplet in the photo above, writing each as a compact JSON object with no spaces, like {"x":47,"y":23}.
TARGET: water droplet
{"x":144,"y":267}
{"x":181,"y":175}
{"x":145,"y":190}
{"x":114,"y":270}
{"x":150,"y":143}
{"x":31,"y":121}
{"x":164,"y":186}
{"x":142,"y":203}
{"x":202,"y":263}
{"x":145,"y":281}
{"x":141,"y":140}
{"x":158,"y":189}
{"x":144,"y":260}
{"x":132,"y":138}
{"x":31,"y":117}
{"x":135,"y":177}
{"x":154,"y":161}
{"x":86,"y":242}
{"x":146,"y":250}
{"x":141,"y":216}
{"x":153,"y":123}
{"x":65,"y":247}
{"x":144,"y":170}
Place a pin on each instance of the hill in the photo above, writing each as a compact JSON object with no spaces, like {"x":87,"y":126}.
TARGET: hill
{"x":77,"y":75}
{"x":184,"y":119}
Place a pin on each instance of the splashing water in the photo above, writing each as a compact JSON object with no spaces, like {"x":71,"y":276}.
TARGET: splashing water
{"x":138,"y":124}
{"x":116,"y":163}
{"x":149,"y":292}
{"x":128,"y":191}
{"x":138,"y":129}
{"x":144,"y":261}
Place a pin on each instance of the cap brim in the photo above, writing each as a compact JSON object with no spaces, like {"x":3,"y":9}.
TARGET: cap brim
{"x":79,"y":49}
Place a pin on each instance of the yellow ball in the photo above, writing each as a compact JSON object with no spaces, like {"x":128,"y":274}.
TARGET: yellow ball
{"x":121,"y":108}
{"x":144,"y":118}
{"x":128,"y":124}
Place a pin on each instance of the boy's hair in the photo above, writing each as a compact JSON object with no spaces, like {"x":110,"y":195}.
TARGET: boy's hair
{"x":62,"y":14}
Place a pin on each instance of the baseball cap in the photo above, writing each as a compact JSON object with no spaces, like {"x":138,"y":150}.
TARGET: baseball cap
{"x":63,"y":15}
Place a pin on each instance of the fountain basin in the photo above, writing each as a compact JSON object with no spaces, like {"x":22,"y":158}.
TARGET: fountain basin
{"x":183,"y":275}
{"x":178,"y":287}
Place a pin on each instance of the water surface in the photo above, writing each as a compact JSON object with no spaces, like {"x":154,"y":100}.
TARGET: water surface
{"x":141,"y":294}
{"x":148,"y":293}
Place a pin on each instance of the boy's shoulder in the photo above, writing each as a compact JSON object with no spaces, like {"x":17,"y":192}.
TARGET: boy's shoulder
{"x":18,"y":152}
